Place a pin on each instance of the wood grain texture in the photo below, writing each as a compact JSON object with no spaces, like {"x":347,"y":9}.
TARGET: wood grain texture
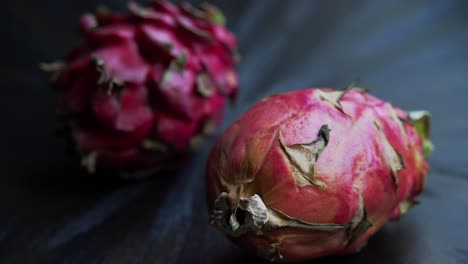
{"x":412,"y":53}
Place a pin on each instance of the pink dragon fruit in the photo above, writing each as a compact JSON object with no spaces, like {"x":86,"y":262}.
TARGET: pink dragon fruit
{"x":145,"y":87}
{"x":315,"y":172}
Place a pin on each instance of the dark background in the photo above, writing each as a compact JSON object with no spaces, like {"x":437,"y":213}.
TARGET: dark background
{"x":412,"y":53}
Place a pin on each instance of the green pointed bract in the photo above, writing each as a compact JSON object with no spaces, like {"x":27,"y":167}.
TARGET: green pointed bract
{"x":349,"y":87}
{"x":360,"y":222}
{"x":206,"y":12}
{"x":179,"y":62}
{"x":405,"y":205}
{"x":89,"y":160}
{"x":168,"y":46}
{"x":333,"y":98}
{"x":154,"y":145}
{"x":138,"y":10}
{"x":104,"y":80}
{"x":204,"y":85}
{"x":361,"y":229}
{"x":176,"y":67}
{"x":214,"y":14}
{"x":422,"y":121}
{"x":393,"y":159}
{"x":53,"y":68}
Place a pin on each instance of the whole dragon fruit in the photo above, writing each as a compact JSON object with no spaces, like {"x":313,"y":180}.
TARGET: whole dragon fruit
{"x":315,"y":172}
{"x":145,"y":87}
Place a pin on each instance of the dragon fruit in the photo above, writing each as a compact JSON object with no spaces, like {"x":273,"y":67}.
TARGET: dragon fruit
{"x":316,"y":172}
{"x":145,"y":88}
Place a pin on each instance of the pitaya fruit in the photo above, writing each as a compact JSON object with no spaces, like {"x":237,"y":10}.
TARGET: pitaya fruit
{"x":145,"y":87}
{"x":315,"y":172}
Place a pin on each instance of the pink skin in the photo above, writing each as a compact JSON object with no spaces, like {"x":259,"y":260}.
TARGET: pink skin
{"x":136,"y":51}
{"x":352,"y":164}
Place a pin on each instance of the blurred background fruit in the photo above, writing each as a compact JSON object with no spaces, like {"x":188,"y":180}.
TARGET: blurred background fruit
{"x":147,"y":86}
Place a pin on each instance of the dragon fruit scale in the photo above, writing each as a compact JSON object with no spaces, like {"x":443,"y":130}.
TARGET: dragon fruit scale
{"x":316,"y":172}
{"x":146,"y":87}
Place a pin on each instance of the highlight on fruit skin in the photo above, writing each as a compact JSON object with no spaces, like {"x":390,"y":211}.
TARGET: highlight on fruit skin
{"x":316,"y":172}
{"x":145,"y":87}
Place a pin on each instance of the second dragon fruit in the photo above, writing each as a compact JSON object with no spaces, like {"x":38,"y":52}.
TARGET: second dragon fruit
{"x":145,"y":87}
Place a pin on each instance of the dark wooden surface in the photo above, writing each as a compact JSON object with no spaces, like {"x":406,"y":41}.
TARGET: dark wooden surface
{"x":412,"y":53}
